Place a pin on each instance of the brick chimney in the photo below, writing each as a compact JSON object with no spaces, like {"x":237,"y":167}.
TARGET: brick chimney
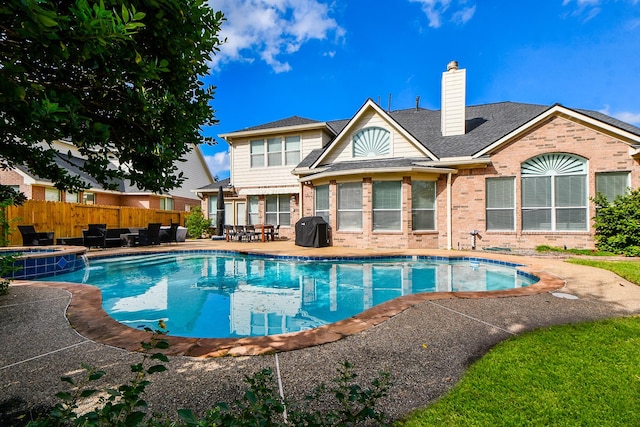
{"x":453,"y":100}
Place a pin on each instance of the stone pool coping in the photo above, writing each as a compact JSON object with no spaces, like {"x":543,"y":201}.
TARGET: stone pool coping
{"x":86,"y":315}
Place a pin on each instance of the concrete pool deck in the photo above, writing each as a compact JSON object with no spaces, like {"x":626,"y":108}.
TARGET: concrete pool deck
{"x":426,"y":344}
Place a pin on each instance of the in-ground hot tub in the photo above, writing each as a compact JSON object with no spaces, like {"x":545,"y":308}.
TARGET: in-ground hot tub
{"x":33,"y":263}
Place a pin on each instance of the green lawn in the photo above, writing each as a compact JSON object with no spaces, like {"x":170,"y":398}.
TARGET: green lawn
{"x":629,"y":270}
{"x":585,"y":374}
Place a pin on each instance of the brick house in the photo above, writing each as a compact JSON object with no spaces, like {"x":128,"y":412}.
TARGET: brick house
{"x":195,"y":171}
{"x":495,"y":175}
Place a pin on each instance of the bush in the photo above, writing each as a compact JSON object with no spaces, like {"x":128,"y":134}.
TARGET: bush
{"x":618,"y":224}
{"x":7,"y":266}
{"x":196,"y":223}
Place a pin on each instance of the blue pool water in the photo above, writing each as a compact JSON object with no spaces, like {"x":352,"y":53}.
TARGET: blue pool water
{"x":217,"y":295}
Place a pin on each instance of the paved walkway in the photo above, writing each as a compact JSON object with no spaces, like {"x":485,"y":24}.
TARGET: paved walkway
{"x":427,"y":347}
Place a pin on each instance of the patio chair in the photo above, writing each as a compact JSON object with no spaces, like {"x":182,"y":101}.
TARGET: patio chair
{"x":229,"y":232}
{"x":95,"y":236}
{"x":275,"y":235}
{"x":150,"y":235}
{"x":250,"y":233}
{"x":169,"y":235}
{"x":31,"y":237}
{"x":239,"y":232}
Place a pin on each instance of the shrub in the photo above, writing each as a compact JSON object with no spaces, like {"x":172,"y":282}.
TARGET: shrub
{"x":7,"y":266}
{"x":196,"y":223}
{"x":617,"y":224}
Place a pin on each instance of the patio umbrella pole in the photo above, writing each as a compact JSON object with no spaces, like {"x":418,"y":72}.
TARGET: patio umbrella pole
{"x":220,"y":212}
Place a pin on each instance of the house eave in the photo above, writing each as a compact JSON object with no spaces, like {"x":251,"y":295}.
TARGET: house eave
{"x":375,"y":171}
{"x":271,"y":131}
{"x":466,"y":162}
{"x":307,"y":171}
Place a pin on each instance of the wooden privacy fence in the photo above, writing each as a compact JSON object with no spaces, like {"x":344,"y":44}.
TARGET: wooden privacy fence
{"x":69,"y":219}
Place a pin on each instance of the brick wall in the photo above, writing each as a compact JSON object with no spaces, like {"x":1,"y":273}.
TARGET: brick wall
{"x":603,"y":152}
{"x":558,"y":135}
{"x":10,"y":177}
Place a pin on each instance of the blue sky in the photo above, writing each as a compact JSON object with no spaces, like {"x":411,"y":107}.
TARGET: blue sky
{"x":322,"y":59}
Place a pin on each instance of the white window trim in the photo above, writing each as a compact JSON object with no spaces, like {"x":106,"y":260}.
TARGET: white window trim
{"x":361,"y":210}
{"x":434,"y":209}
{"x":553,"y":208}
{"x":283,"y":152}
{"x":374,"y":210}
{"x":513,"y":208}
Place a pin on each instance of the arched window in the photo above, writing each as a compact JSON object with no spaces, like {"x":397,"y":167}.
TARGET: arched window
{"x":554,"y":193}
{"x":371,"y":142}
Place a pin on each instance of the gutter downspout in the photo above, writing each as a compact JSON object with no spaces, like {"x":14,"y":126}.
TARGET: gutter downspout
{"x":449,"y":213}
{"x":300,"y":203}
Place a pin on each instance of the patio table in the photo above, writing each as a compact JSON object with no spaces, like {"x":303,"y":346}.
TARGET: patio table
{"x":267,"y":230}
{"x":130,"y":239}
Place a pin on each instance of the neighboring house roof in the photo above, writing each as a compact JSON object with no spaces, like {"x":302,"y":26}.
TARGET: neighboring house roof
{"x":196,"y":174}
{"x":73,"y":165}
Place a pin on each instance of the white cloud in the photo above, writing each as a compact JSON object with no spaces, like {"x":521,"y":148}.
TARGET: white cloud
{"x":587,"y":9}
{"x":272,"y":29}
{"x":463,"y":16}
{"x":625,"y":116}
{"x":436,"y":11}
{"x":218,"y":163}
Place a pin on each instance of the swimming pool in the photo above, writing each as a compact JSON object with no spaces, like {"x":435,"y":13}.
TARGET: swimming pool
{"x":217,"y":294}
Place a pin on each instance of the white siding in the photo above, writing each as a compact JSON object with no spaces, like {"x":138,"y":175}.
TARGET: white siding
{"x":400,"y":147}
{"x":244,"y":175}
{"x":196,"y":174}
{"x":453,"y":102}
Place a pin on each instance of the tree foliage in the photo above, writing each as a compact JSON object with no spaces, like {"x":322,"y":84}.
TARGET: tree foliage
{"x":118,"y":78}
{"x":618,"y":224}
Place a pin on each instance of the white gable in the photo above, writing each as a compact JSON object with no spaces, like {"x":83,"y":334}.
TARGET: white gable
{"x":370,"y":116}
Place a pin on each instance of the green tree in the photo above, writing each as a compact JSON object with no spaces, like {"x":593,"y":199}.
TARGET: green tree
{"x":118,"y":78}
{"x":617,"y":224}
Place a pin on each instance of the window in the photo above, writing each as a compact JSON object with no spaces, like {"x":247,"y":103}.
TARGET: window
{"x":371,"y":142}
{"x":279,"y":151}
{"x":241,"y":213}
{"x":72,"y":197}
{"x":423,"y":205}
{"x":253,"y":210}
{"x":554,"y":193}
{"x":277,"y":209}
{"x":612,"y":184}
{"x":350,"y":206}
{"x":88,"y":198}
{"x":292,"y":150}
{"x":387,"y":205}
{"x":52,"y":195}
{"x":166,"y":204}
{"x":322,"y":202}
{"x":274,"y":151}
{"x":257,"y":153}
{"x":501,"y":204}
{"x":213,"y":209}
